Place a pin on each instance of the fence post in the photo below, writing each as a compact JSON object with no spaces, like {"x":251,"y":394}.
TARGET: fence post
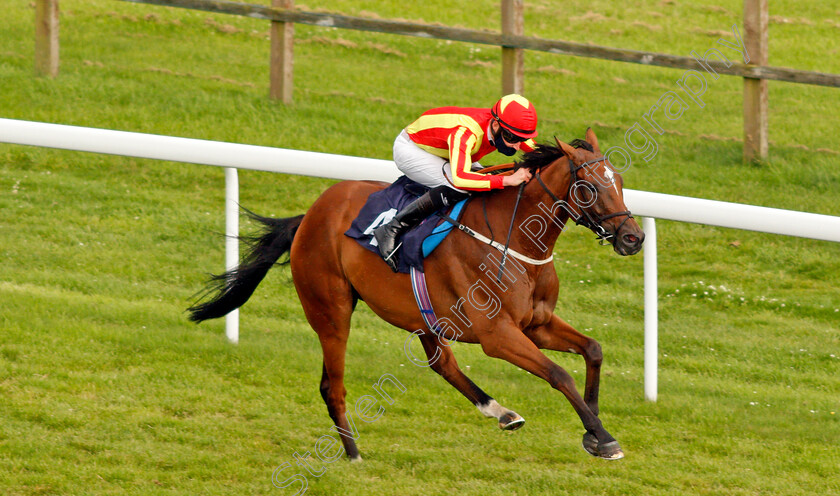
{"x":513,"y":59}
{"x":46,"y":38}
{"x":282,"y":55}
{"x":756,"y":16}
{"x":651,"y":310}
{"x":232,"y":243}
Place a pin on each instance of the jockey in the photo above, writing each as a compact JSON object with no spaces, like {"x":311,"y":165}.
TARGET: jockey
{"x":441,"y":150}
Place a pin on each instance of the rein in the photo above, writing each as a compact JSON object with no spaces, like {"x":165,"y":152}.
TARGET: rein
{"x":585,"y":219}
{"x":510,"y":230}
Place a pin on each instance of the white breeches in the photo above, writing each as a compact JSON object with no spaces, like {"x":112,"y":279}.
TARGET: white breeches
{"x":420,"y":165}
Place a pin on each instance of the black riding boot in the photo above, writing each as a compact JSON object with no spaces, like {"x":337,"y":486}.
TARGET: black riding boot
{"x":387,"y":234}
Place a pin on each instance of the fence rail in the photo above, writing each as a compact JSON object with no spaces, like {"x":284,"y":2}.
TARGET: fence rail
{"x":755,"y":71}
{"x":498,"y":39}
{"x":234,"y":156}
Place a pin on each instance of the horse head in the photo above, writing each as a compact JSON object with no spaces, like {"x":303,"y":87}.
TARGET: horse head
{"x":595,"y":198}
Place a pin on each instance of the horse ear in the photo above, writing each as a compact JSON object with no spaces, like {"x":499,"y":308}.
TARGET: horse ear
{"x":592,"y":139}
{"x":567,"y":148}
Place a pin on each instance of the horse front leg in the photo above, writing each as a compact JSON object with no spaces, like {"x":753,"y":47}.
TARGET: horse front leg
{"x":510,"y":344}
{"x":442,"y":360}
{"x":558,"y":335}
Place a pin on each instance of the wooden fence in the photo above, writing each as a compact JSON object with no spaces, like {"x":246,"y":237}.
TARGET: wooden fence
{"x":46,"y":38}
{"x":756,"y":73}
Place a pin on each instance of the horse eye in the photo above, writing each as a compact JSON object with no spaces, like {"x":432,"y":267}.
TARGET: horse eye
{"x":584,"y":194}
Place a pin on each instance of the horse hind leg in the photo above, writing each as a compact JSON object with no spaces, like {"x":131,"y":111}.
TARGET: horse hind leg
{"x":337,"y":412}
{"x":328,"y":310}
{"x":332,"y":389}
{"x":442,"y":360}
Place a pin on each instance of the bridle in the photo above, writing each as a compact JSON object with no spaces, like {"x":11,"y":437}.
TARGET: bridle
{"x":586,"y":218}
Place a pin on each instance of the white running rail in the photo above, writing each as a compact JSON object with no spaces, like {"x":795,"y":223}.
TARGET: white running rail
{"x":234,"y":156}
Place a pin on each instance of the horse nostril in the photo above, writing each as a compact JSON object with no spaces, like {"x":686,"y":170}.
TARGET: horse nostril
{"x":632,"y":239}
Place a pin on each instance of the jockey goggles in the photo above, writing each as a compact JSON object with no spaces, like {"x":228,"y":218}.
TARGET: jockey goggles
{"x":509,"y":136}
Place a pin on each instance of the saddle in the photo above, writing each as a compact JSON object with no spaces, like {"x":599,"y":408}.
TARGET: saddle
{"x":419,"y":242}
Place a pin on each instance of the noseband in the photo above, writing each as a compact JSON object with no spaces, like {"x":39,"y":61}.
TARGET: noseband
{"x":586,"y":219}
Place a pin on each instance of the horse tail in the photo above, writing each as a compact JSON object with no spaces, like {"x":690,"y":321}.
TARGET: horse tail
{"x":234,"y":287}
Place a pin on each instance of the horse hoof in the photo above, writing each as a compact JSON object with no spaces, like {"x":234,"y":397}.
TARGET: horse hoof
{"x":607,"y":451}
{"x":510,"y":422}
{"x":357,"y":459}
{"x":610,"y":451}
{"x":590,"y":444}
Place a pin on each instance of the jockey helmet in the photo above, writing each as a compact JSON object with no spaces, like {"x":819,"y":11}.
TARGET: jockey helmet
{"x":517,"y":115}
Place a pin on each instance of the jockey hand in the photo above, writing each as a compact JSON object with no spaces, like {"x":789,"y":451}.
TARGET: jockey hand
{"x":517,"y":178}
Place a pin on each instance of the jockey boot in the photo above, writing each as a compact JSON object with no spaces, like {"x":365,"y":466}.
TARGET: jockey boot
{"x":386,"y":235}
{"x":430,"y":202}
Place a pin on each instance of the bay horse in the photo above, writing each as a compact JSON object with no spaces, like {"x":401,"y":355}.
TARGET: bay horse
{"x":331,"y":272}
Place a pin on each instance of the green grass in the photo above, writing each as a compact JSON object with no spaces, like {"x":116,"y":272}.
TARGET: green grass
{"x":107,"y":389}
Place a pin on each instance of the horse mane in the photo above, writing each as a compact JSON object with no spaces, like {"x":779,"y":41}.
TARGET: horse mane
{"x":544,"y":154}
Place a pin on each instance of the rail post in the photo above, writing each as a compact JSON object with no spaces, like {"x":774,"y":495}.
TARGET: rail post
{"x":282,"y":55}
{"x":513,"y":59}
{"x":46,"y":38}
{"x":651,"y":309}
{"x":232,"y":243}
{"x":756,"y":16}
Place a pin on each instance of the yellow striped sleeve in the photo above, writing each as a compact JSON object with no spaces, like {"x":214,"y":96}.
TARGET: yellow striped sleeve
{"x":460,"y":159}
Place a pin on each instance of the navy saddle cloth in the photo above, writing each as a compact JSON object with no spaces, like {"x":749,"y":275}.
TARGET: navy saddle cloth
{"x":417,"y":243}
